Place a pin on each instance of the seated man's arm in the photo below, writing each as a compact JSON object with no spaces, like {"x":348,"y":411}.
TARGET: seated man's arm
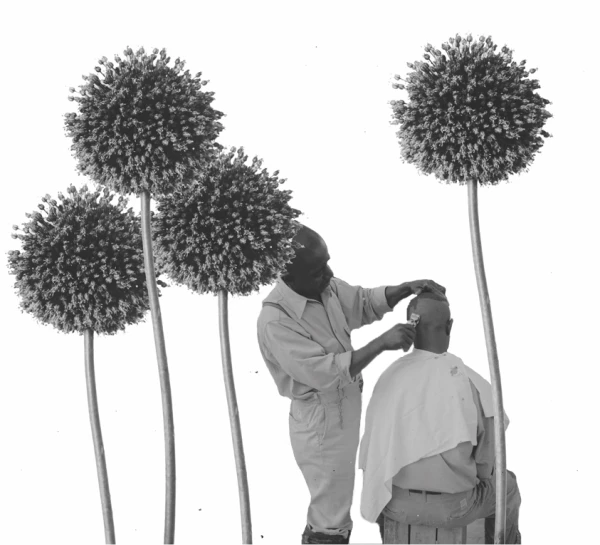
{"x":483,"y":452}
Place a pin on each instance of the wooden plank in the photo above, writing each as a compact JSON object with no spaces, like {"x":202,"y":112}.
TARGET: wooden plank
{"x":422,"y":534}
{"x":394,"y":532}
{"x":452,"y":535}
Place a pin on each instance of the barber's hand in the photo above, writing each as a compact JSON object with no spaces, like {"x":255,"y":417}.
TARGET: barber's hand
{"x":418,"y":286}
{"x":399,"y":336}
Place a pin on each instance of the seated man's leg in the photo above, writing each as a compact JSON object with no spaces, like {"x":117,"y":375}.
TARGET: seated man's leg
{"x":513,"y":502}
{"x":481,"y":503}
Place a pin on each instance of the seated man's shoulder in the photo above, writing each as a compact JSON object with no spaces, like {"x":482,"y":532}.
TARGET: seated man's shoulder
{"x":401,"y":375}
{"x":402,"y":366}
{"x":468,"y":370}
{"x":477,"y":379}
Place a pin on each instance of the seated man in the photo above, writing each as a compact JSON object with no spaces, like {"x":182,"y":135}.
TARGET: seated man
{"x":428,"y":448}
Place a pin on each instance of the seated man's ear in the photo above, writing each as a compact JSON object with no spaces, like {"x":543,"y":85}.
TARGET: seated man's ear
{"x":449,"y":326}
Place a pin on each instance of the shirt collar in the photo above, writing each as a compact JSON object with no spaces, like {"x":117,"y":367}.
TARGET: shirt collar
{"x":294,"y":301}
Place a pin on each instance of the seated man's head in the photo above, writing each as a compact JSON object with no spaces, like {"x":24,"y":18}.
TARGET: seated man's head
{"x":435,"y":323}
{"x":309,"y":274}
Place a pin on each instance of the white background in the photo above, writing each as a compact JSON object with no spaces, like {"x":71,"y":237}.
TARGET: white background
{"x":306,"y":86}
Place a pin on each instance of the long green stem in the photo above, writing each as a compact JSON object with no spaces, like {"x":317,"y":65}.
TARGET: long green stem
{"x":490,"y":340}
{"x":163,"y":370}
{"x":234,"y":419}
{"x":90,"y":381}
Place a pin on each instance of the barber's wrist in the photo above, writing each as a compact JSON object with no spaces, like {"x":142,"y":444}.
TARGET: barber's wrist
{"x":395,"y":294}
{"x":379,"y":344}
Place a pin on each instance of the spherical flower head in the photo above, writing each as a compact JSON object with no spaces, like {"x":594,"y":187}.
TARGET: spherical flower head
{"x":231,"y":230}
{"x":472,"y":113}
{"x":81,"y":265}
{"x":142,"y":124}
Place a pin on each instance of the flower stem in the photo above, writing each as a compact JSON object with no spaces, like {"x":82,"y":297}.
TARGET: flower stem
{"x":490,"y":340}
{"x":163,"y":370}
{"x":234,"y":419}
{"x":90,"y":380}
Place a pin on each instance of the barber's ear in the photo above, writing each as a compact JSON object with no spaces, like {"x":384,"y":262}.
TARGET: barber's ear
{"x":449,"y":326}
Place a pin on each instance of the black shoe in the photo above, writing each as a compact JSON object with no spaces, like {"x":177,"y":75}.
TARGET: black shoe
{"x":317,"y":537}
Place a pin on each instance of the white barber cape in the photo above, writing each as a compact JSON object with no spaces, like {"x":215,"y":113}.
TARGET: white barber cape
{"x":422,"y":405}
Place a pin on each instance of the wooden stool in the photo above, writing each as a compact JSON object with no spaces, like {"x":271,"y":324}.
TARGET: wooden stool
{"x":397,"y":532}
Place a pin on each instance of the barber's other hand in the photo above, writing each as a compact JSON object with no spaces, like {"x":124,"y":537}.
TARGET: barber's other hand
{"x":418,"y":286}
{"x":399,"y":336}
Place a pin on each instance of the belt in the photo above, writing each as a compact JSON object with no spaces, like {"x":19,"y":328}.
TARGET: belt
{"x":423,"y":491}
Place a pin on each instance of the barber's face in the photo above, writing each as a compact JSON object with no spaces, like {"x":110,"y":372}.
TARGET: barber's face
{"x":314,"y":275}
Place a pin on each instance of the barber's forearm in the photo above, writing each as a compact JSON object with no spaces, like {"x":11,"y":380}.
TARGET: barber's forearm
{"x":365,"y":355}
{"x":395,"y":294}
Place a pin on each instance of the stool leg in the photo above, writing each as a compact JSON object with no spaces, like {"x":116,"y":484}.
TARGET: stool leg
{"x":422,"y":534}
{"x":452,"y":535}
{"x":395,"y":532}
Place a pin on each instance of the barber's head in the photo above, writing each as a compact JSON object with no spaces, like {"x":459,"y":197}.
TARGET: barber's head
{"x":435,"y":323}
{"x":309,"y":274}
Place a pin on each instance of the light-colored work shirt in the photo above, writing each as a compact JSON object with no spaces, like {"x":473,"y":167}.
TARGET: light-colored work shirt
{"x":422,"y":407}
{"x":309,"y":348}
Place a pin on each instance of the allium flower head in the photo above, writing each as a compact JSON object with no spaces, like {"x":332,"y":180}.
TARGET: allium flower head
{"x":472,"y":114}
{"x":81,"y":264}
{"x":231,"y":229}
{"x":142,"y":124}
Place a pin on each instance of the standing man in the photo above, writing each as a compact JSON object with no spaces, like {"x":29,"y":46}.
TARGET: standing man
{"x":304,"y":337}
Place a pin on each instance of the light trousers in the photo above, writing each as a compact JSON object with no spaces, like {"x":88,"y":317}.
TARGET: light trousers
{"x":324,"y":432}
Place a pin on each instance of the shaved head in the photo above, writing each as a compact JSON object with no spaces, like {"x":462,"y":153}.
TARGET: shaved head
{"x":434,"y":312}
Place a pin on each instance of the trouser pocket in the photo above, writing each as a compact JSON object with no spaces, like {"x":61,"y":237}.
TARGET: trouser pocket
{"x":460,"y":510}
{"x":308,"y":419}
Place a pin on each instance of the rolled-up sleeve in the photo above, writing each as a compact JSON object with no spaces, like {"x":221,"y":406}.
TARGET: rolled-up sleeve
{"x":361,"y":306}
{"x":305,"y":360}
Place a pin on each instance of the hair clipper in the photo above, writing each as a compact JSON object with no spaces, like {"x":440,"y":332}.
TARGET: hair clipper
{"x":414,"y":319}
